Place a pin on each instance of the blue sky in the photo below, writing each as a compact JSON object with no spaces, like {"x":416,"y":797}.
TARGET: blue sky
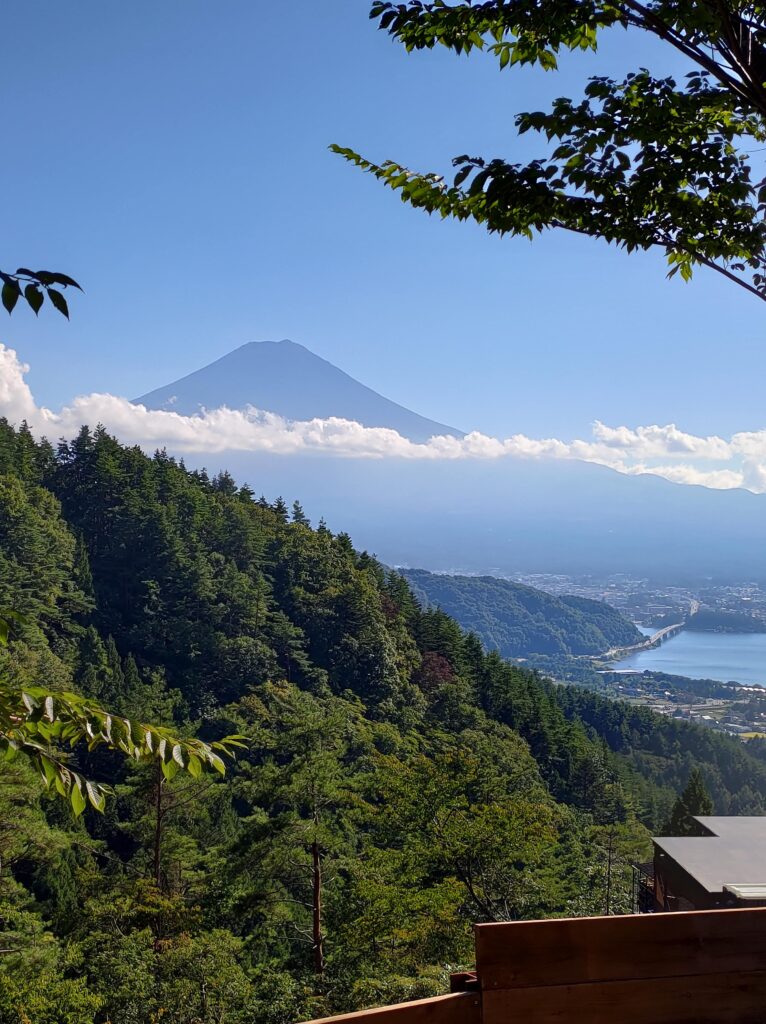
{"x":173,"y":157}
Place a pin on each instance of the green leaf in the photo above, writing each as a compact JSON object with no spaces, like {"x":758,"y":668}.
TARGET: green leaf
{"x":45,"y":277}
{"x":48,"y":771}
{"x":66,"y":281}
{"x":10,"y":295}
{"x":96,"y":795}
{"x":78,"y":800}
{"x":59,"y":302}
{"x":461,"y":175}
{"x":34,"y":297}
{"x":169,"y":769}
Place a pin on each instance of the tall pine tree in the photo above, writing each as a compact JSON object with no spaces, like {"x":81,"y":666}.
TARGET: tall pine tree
{"x":695,"y":800}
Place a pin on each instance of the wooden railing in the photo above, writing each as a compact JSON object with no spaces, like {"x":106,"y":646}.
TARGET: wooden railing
{"x":705,"y":967}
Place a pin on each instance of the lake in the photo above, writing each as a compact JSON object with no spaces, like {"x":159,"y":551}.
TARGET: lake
{"x":727,"y":657}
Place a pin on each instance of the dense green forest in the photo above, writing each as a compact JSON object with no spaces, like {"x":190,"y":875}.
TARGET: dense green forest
{"x":520,"y":621}
{"x":398,"y":783}
{"x":708,"y":620}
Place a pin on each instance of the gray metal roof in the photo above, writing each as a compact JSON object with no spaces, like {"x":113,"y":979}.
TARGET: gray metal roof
{"x":748,"y":892}
{"x":733,"y":855}
{"x":737,"y":827}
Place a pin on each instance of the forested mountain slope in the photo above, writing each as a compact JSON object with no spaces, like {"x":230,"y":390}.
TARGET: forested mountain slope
{"x":420,"y":783}
{"x":519,"y":621}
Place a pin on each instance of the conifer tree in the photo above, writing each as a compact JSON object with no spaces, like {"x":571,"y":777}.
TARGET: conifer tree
{"x":115,"y":688}
{"x":695,"y":800}
{"x":94,"y":674}
{"x":81,"y":569}
{"x":225,"y":483}
{"x":280,"y":508}
{"x":299,"y":516}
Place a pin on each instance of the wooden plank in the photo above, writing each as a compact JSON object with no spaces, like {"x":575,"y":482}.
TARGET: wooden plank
{"x":578,"y":950}
{"x":738,"y":998}
{"x":463,"y":981}
{"x":456,"y":1008}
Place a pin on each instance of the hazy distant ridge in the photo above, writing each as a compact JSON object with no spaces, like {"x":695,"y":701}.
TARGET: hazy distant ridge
{"x":533,"y":515}
{"x":285,"y":378}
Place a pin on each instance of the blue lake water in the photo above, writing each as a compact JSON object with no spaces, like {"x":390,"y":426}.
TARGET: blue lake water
{"x":727,"y":657}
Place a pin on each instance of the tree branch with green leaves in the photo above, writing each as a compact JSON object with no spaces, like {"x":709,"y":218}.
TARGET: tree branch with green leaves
{"x":642,"y":163}
{"x":33,"y":286}
{"x":41,"y":725}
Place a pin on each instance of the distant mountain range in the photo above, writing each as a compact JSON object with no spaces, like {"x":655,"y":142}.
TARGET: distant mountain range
{"x":489,"y":516}
{"x":520,"y":621}
{"x":287,"y":379}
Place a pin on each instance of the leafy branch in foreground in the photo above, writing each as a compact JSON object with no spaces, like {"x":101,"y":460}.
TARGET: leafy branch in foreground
{"x":32,"y":286}
{"x":38,"y":724}
{"x":643,"y":162}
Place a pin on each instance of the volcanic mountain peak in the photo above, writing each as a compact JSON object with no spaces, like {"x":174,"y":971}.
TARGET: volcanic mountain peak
{"x":286,"y":378}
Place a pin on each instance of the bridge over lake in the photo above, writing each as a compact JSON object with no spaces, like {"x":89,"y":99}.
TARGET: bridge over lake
{"x":655,"y":639}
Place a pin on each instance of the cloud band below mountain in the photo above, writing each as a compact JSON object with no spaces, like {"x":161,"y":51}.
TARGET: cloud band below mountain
{"x":663,"y":451}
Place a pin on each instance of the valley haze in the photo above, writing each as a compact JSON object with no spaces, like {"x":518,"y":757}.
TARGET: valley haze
{"x":523,"y":514}
{"x":454,"y":501}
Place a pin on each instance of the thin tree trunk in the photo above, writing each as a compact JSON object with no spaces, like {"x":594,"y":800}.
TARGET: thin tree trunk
{"x":157,"y":924}
{"x":318,"y":938}
{"x":158,"y":829}
{"x":609,"y":875}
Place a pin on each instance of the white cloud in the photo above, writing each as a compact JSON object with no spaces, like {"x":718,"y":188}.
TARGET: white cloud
{"x":684,"y":473}
{"x":654,"y":441}
{"x":664,"y":451}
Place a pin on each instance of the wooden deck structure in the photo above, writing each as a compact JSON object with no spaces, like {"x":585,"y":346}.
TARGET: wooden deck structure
{"x":702,"y":967}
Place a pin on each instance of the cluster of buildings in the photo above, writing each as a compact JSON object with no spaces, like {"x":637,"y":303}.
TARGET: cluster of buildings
{"x":742,"y":713}
{"x":648,"y":601}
